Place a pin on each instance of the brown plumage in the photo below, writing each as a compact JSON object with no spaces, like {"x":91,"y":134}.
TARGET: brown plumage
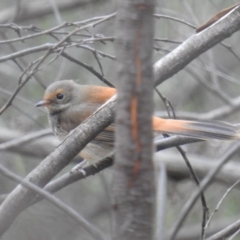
{"x":68,"y":104}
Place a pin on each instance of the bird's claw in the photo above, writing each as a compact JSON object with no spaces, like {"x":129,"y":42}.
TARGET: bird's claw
{"x":79,"y":168}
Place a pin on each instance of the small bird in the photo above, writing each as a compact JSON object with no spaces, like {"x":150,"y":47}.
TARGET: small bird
{"x":68,"y":104}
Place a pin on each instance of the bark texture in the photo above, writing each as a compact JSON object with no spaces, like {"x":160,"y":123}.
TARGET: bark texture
{"x":133,"y":181}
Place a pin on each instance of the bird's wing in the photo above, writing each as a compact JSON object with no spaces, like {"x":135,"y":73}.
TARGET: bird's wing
{"x":107,"y":135}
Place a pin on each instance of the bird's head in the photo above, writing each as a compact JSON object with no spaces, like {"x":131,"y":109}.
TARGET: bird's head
{"x":59,"y":96}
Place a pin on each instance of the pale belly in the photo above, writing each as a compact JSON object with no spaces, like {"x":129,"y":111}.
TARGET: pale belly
{"x":93,"y":152}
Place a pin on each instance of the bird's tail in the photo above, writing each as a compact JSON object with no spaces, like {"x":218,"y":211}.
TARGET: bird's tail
{"x":198,"y":129}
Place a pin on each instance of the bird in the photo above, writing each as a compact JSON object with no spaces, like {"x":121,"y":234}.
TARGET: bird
{"x":68,"y":104}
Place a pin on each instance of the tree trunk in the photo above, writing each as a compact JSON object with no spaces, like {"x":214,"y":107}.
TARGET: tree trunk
{"x":133,"y":186}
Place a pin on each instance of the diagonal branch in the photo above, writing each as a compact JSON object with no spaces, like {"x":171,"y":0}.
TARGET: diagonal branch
{"x":196,"y":45}
{"x":21,"y":197}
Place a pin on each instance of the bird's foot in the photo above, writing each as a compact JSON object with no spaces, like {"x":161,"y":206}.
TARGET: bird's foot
{"x":79,"y":168}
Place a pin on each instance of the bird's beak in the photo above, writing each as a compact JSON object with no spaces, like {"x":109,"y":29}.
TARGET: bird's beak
{"x":42,"y":103}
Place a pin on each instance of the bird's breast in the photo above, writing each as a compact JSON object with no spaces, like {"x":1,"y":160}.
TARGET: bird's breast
{"x":61,"y":126}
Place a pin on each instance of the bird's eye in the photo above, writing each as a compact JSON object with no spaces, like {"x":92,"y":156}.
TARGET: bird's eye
{"x":60,"y":96}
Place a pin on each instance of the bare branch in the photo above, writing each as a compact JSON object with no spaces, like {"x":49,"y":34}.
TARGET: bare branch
{"x":203,"y":185}
{"x":196,"y":45}
{"x":57,"y":202}
{"x":219,"y":203}
{"x":24,"y":139}
{"x":20,"y":197}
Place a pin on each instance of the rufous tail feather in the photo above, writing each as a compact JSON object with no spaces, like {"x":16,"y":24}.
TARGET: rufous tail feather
{"x":202,"y":130}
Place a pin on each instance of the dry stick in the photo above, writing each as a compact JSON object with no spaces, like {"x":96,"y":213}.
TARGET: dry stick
{"x":46,"y":55}
{"x":63,"y":25}
{"x":32,"y":28}
{"x":84,"y":27}
{"x":166,"y":40}
{"x":106,"y":162}
{"x":98,"y":62}
{"x":203,"y":200}
{"x":59,"y":21}
{"x":234,"y":235}
{"x":55,"y":46}
{"x":41,"y":59}
{"x":57,"y":202}
{"x":17,"y":28}
{"x":161,"y":182}
{"x":38,"y":149}
{"x":184,"y":156}
{"x":228,"y":231}
{"x":68,"y":178}
{"x":52,"y":60}
{"x":229,"y":48}
{"x":211,"y":88}
{"x":21,"y":99}
{"x":195,"y":45}
{"x":228,"y":175}
{"x":52,"y":32}
{"x":97,"y":39}
{"x":190,"y":56}
{"x":172,"y":63}
{"x":219,"y":203}
{"x":13,"y":49}
{"x":214,"y":86}
{"x":219,"y":73}
{"x":89,"y":68}
{"x":25,"y":139}
{"x":174,"y":141}
{"x":24,"y":112}
{"x":27,"y":51}
{"x":217,"y":113}
{"x":48,"y":46}
{"x":56,"y":11}
{"x":174,"y":19}
{"x":102,"y":54}
{"x":20,"y":197}
{"x":203,"y":185}
{"x":20,"y":85}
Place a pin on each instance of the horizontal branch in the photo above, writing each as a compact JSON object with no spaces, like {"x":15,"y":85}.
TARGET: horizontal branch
{"x":38,"y":148}
{"x":176,"y":167}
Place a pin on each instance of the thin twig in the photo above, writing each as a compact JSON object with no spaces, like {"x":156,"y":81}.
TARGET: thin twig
{"x":203,"y":185}
{"x":219,"y":203}
{"x":57,"y":202}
